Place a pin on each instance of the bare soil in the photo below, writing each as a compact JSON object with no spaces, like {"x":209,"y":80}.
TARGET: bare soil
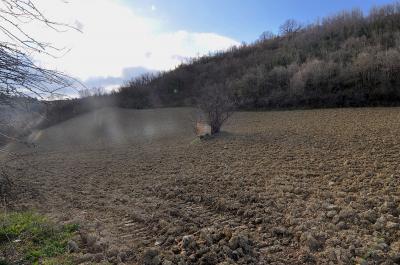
{"x":287,"y":187}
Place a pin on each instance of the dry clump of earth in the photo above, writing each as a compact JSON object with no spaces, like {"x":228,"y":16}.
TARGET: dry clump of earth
{"x":283,"y":187}
{"x":208,"y":246}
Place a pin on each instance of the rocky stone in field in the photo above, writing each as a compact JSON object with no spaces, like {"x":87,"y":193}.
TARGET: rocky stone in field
{"x":392,"y":225}
{"x":311,"y":242}
{"x":342,"y":225}
{"x":332,"y":207}
{"x":98,"y":246}
{"x":380,"y":223}
{"x":151,"y":257}
{"x":213,"y":246}
{"x":395,"y":258}
{"x":209,"y":258}
{"x":347,"y":214}
{"x":202,"y":251}
{"x":382,"y":246}
{"x":257,"y":220}
{"x":188,"y":242}
{"x":206,"y":237}
{"x":227,"y":232}
{"x":274,"y":249}
{"x":389,"y":207}
{"x":307,"y":258}
{"x":395,"y":247}
{"x":98,"y":257}
{"x":112,"y":252}
{"x":369,"y":215}
{"x":84,"y":258}
{"x":331,"y":255}
{"x":125,"y":255}
{"x":240,"y":241}
{"x":331,"y":214}
{"x":88,"y":239}
{"x":280,"y":231}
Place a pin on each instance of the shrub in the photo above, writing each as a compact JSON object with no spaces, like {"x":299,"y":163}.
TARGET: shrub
{"x":217,"y":105}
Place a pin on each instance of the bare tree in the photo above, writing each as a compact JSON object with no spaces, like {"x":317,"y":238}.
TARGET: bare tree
{"x":19,"y":74}
{"x":217,"y":105}
{"x":22,"y":80}
{"x":266,"y":35}
{"x":92,"y":92}
{"x":289,"y":27}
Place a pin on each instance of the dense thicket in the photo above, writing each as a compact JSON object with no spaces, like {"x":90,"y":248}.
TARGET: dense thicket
{"x":345,"y":60}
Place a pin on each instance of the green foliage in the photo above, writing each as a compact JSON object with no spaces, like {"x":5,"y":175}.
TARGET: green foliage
{"x":30,"y":238}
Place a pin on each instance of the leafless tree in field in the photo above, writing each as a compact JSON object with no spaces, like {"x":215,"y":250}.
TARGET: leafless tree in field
{"x":19,"y":74}
{"x":217,"y":105}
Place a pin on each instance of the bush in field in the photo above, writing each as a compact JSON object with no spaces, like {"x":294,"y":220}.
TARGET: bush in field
{"x":217,"y":105}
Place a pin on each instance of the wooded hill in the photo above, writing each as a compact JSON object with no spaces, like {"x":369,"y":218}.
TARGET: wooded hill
{"x":349,"y":59}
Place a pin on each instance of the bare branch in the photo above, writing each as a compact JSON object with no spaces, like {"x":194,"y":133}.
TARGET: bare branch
{"x":21,"y":79}
{"x":19,"y":75}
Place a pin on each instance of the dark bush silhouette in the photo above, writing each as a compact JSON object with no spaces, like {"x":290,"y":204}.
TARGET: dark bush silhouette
{"x":217,"y":105}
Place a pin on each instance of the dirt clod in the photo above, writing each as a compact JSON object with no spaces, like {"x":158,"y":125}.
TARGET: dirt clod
{"x":151,"y":257}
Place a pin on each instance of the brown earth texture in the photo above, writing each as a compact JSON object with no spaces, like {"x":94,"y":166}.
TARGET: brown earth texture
{"x":279,"y":187}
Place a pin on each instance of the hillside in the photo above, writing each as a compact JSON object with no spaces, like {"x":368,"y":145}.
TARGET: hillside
{"x":349,"y":59}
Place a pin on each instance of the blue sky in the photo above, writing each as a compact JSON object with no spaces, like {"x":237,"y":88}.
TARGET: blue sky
{"x":243,"y":20}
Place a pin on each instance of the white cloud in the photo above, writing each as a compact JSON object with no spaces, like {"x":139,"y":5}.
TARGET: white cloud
{"x":115,"y":37}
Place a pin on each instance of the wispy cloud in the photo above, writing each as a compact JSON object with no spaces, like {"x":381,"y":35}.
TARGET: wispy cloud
{"x":112,"y":81}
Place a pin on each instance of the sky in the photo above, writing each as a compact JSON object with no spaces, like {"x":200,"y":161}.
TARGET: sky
{"x":121,"y":39}
{"x":244,"y":20}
